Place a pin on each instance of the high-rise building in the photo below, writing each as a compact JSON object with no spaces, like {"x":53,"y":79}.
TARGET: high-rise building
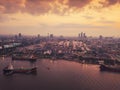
{"x":79,"y":35}
{"x":38,"y":36}
{"x":51,"y":36}
{"x":20,"y":35}
{"x":100,"y":37}
{"x":82,"y":35}
{"x":16,"y":36}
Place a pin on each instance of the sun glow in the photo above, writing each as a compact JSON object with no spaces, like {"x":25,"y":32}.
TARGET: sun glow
{"x":65,"y":17}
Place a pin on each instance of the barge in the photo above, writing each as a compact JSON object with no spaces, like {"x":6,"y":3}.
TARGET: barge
{"x":111,"y":68}
{"x":9,"y":70}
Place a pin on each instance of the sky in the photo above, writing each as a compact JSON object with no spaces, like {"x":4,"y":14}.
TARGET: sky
{"x":60,"y":17}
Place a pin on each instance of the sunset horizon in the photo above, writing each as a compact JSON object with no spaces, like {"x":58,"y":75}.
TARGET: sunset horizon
{"x":60,"y":17}
{"x":60,"y":44}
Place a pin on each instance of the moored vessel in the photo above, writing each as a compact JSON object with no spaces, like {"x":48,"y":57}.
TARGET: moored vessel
{"x":111,"y":68}
{"x":28,"y":58}
{"x":9,"y":70}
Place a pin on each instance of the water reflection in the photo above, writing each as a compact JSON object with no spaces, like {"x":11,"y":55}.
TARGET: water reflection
{"x":2,"y":58}
{"x":60,"y":75}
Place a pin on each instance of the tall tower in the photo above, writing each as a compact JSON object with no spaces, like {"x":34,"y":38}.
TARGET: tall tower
{"x":81,"y":34}
{"x":38,"y":36}
{"x":20,"y":35}
{"x":51,"y":36}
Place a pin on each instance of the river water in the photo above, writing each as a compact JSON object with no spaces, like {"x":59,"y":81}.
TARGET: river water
{"x":59,"y":75}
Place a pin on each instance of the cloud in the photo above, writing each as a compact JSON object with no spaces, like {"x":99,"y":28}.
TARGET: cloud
{"x":112,"y":2}
{"x":45,"y":6}
{"x":37,"y":6}
{"x":29,"y":6}
{"x":79,"y":26}
{"x":12,"y":6}
{"x":107,"y":22}
{"x":2,"y":8}
{"x":78,"y":3}
{"x":88,"y":17}
{"x":4,"y":18}
{"x":107,"y":3}
{"x":40,"y":6}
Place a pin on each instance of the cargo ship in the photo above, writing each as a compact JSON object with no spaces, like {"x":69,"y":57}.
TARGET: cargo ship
{"x":28,"y":58}
{"x":9,"y":70}
{"x":111,"y":68}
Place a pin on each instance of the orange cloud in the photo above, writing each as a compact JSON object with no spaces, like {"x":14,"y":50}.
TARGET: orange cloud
{"x":12,"y":6}
{"x":40,"y":6}
{"x":37,"y":6}
{"x":112,"y":2}
{"x":78,"y":3}
{"x":46,"y":6}
{"x":109,"y":2}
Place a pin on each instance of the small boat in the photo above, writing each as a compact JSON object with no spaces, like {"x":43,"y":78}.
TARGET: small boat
{"x":9,"y":70}
{"x":111,"y":68}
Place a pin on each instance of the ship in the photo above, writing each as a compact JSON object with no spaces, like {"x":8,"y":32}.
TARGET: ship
{"x":9,"y":70}
{"x":27,"y":58}
{"x":111,"y":68}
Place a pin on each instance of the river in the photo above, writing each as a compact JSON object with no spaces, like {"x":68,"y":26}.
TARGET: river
{"x":59,"y":75}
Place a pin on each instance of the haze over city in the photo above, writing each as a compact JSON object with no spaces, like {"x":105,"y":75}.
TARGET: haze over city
{"x":60,"y":17}
{"x":59,"y":44}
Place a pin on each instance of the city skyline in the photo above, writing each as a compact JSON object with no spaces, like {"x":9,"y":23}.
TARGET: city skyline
{"x":60,"y":17}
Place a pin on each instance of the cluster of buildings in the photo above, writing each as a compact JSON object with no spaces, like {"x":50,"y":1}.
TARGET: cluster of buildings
{"x":82,"y":35}
{"x":77,"y":48}
{"x":64,"y":49}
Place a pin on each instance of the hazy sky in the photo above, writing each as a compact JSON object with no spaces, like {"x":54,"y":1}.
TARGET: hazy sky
{"x":60,"y":17}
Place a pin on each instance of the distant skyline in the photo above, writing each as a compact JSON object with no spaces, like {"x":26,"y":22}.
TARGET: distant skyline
{"x":60,"y":17}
